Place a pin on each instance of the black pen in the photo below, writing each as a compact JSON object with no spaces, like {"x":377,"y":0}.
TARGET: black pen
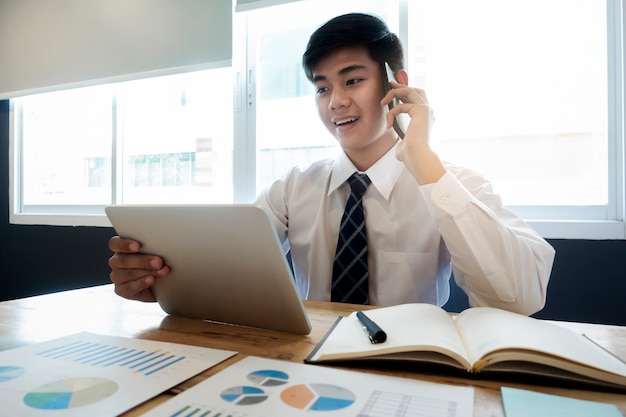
{"x":375,"y":333}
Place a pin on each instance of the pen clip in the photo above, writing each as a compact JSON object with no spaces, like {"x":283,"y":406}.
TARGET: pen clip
{"x":374,"y":332}
{"x":369,"y":336}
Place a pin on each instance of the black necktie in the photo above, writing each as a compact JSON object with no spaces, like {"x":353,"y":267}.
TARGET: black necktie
{"x":350,"y":276}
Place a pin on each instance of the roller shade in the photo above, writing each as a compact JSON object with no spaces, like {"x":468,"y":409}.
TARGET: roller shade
{"x":47,"y":45}
{"x":244,"y":5}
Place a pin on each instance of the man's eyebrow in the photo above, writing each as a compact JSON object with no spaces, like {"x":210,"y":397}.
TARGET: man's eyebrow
{"x":351,"y":68}
{"x":342,"y":71}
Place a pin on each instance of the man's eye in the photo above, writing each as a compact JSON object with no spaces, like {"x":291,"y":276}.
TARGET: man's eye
{"x":353,"y":81}
{"x":321,"y":90}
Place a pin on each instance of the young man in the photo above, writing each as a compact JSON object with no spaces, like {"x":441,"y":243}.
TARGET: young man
{"x":423,"y":218}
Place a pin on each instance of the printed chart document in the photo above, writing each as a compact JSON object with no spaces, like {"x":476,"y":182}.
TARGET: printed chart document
{"x":258,"y":387}
{"x":93,"y":375}
{"x":480,"y":339}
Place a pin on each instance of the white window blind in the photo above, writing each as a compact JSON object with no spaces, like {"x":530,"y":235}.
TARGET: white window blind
{"x":244,"y":5}
{"x":51,"y":45}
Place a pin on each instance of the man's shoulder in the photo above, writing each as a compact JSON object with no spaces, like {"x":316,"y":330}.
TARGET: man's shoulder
{"x":463,"y":173}
{"x":319,"y":168}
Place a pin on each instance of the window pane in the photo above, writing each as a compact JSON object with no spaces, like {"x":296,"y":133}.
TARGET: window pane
{"x":289,"y":131}
{"x":177,"y":136}
{"x":66,"y":147}
{"x":174,"y":133}
{"x":519,"y":90}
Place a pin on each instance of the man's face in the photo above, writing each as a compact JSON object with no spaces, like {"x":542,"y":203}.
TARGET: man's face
{"x":349,"y":89}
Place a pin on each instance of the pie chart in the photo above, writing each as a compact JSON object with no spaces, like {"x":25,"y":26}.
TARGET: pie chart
{"x":268,"y":378}
{"x":317,"y":397}
{"x":70,"y":393}
{"x":8,"y":373}
{"x":244,"y":395}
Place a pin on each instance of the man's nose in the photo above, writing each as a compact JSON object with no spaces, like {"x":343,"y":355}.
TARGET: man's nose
{"x":338,"y":98}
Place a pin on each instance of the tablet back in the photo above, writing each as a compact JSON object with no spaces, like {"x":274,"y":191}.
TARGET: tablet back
{"x":226,"y":263}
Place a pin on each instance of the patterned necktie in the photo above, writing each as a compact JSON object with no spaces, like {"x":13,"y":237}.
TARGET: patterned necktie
{"x":350,"y":276}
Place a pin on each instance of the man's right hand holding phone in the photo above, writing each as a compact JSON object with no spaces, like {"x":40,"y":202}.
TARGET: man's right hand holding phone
{"x":415,"y":151}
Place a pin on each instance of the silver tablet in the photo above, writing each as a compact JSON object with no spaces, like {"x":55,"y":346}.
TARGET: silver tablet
{"x":226,"y":261}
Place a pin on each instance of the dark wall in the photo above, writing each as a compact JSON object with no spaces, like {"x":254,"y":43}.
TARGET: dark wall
{"x":588,"y":280}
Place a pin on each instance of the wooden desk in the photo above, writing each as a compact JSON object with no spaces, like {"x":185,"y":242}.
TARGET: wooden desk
{"x":99,"y":310}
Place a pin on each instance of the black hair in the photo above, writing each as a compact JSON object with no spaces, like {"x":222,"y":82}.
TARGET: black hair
{"x":349,"y":30}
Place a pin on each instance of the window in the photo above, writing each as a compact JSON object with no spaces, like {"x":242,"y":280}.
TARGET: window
{"x":166,"y":139}
{"x":176,"y":138}
{"x":521,"y":95}
{"x":527,"y":107}
{"x":526,"y":92}
{"x":65,"y":144}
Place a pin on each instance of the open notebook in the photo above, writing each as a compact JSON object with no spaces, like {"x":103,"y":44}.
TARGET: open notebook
{"x":226,"y":263}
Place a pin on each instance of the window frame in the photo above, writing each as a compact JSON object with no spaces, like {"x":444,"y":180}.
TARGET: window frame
{"x":566,"y":222}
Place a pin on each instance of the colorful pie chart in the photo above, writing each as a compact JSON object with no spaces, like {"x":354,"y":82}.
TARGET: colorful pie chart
{"x":70,"y":393}
{"x":244,"y":395}
{"x":318,"y":397}
{"x":268,"y":378}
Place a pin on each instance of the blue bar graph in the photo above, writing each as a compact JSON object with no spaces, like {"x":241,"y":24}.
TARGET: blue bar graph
{"x":104,"y":355}
{"x":189,"y":411}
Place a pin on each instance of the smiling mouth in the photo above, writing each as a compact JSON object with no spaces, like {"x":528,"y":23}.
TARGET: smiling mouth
{"x":344,"y":122}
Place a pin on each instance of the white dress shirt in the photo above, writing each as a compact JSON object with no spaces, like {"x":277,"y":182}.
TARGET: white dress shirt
{"x":416,"y":236}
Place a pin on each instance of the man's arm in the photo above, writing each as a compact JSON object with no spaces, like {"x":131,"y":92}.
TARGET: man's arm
{"x":498,"y":260}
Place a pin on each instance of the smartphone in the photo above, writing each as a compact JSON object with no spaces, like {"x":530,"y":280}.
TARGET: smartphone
{"x":401,"y":122}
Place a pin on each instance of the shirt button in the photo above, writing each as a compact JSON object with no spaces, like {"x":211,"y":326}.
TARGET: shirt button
{"x":445,"y":199}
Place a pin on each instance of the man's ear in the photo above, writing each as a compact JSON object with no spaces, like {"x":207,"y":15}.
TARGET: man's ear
{"x":402,"y":76}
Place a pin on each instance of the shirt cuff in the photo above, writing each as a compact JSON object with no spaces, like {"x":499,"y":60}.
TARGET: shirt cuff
{"x":447,"y":195}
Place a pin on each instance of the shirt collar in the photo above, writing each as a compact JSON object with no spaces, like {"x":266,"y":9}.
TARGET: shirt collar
{"x":383,"y":174}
